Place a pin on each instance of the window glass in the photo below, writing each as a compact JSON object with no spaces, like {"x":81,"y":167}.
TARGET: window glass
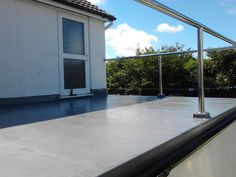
{"x":73,"y":37}
{"x":74,"y":73}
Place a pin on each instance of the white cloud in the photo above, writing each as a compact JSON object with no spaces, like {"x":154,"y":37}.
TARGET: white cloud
{"x":96,"y":1}
{"x":124,"y":39}
{"x":165,"y":27}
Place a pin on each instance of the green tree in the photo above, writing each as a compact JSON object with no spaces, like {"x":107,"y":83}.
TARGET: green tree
{"x":140,"y":76}
{"x":222,"y":68}
{"x":176,"y":73}
{"x":134,"y":76}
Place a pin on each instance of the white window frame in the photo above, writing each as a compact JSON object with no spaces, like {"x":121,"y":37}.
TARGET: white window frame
{"x":62,"y":55}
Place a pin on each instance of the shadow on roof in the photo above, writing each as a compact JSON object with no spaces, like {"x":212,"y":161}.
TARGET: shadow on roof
{"x":15,"y":115}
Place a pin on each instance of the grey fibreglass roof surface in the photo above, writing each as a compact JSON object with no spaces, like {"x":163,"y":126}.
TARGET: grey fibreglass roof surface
{"x":91,"y":143}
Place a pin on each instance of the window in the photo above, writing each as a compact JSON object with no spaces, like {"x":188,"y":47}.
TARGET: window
{"x":74,"y":58}
{"x":74,"y":73}
{"x":73,"y":37}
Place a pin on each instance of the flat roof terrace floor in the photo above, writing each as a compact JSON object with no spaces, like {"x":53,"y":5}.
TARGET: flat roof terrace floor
{"x":91,"y":141}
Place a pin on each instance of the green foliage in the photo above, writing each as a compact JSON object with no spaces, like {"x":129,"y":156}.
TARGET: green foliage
{"x":130,"y":76}
{"x":222,"y":68}
{"x":133,"y":76}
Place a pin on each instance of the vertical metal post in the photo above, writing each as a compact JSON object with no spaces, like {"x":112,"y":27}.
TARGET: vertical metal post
{"x":201,"y":102}
{"x":201,"y":95}
{"x":160,"y":95}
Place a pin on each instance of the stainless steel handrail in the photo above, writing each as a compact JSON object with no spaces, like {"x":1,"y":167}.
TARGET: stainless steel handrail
{"x":201,"y":28}
{"x":169,"y":53}
{"x":179,"y":16}
{"x":160,"y":58}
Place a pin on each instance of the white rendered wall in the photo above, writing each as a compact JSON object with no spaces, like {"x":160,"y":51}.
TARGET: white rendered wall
{"x":29,"y":54}
{"x":216,"y":159}
{"x":28,"y":49}
{"x":97,"y":54}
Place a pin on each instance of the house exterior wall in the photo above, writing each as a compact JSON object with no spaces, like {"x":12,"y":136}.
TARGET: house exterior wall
{"x":97,"y":54}
{"x":29,"y":52}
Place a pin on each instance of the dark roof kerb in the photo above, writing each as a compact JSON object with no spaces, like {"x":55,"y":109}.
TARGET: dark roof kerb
{"x":88,"y":7}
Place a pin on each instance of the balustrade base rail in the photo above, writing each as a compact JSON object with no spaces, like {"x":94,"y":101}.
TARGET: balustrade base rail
{"x":188,"y":92}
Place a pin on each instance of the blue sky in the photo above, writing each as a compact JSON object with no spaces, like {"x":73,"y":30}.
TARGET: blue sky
{"x":138,"y":25}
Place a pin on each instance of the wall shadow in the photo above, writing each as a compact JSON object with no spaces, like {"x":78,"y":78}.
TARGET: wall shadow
{"x":14,"y":115}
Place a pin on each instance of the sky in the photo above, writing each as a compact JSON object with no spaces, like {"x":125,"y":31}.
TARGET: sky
{"x":141,"y":26}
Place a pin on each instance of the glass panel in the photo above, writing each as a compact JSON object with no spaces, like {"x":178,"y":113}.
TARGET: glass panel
{"x":74,"y":73}
{"x":73,"y":37}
